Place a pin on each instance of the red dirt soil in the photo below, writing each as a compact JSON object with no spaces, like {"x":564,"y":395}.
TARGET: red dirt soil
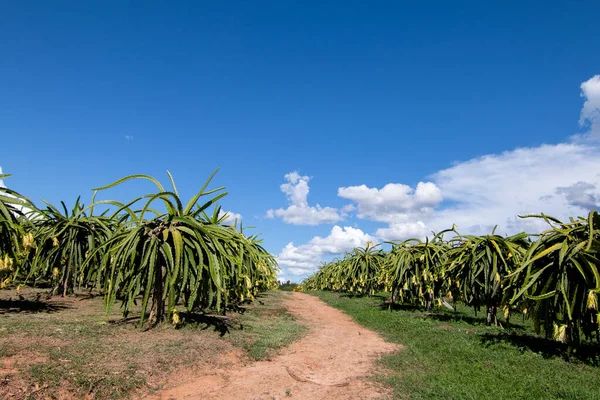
{"x":330,"y":362}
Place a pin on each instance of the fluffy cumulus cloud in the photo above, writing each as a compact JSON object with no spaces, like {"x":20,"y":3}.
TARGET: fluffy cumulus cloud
{"x":299,"y":212}
{"x":1,"y":182}
{"x":402,"y":207}
{"x":590,"y":113}
{"x":304,"y":259}
{"x":230,"y":217}
{"x":394,"y":202}
{"x":403,"y":230}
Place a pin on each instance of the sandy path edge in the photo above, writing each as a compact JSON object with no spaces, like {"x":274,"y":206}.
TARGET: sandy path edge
{"x":330,"y":362}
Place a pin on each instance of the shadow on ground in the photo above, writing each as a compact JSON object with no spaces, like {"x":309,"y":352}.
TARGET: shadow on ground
{"x":220,"y":324}
{"x":443,"y":316}
{"x":22,"y":305}
{"x":587,"y":353}
{"x":471,"y":320}
{"x":362,"y":295}
{"x":387,"y":306}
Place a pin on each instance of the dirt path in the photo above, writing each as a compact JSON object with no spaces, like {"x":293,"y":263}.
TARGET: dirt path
{"x":330,"y":362}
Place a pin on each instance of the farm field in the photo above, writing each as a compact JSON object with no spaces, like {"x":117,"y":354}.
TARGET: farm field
{"x":299,"y":200}
{"x":456,"y":356}
{"x":69,"y":348}
{"x":198,"y":313}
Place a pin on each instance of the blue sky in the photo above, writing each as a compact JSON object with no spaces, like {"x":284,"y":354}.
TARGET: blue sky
{"x":469,"y":112}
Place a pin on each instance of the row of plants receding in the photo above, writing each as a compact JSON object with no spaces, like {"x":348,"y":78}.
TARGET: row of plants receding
{"x":154,"y":250}
{"x":551,"y":277}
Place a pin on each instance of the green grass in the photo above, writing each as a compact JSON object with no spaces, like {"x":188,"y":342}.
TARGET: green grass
{"x":102,"y":385}
{"x":266,"y":326}
{"x":448,"y":356}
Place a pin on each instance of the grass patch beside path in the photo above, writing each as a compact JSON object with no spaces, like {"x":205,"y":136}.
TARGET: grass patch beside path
{"x":461,"y":358}
{"x":69,"y":348}
{"x":266,"y":326}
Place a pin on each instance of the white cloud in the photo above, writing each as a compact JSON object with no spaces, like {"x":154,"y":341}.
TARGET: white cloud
{"x":25,"y":210}
{"x":560,"y":180}
{"x":394,"y":202}
{"x":296,"y":190}
{"x":495,"y":189}
{"x":305,"y":259}
{"x":348,"y":208}
{"x":403,"y":230}
{"x":296,"y":215}
{"x":590,"y":113}
{"x":340,"y":240}
{"x":302,"y":256}
{"x":230,"y":217}
{"x":129,"y":138}
{"x":299,"y":212}
{"x":1,"y":181}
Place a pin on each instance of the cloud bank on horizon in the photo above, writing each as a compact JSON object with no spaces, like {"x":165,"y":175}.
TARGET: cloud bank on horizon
{"x":561,"y":180}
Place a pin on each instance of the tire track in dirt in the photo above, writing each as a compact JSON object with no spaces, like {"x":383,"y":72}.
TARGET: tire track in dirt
{"x":330,"y":362}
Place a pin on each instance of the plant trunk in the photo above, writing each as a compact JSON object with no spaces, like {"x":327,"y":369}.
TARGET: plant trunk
{"x":573,"y":339}
{"x":68,"y":274}
{"x":491,"y":316}
{"x":157,"y":314}
{"x":428,"y":301}
{"x":394,"y":297}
